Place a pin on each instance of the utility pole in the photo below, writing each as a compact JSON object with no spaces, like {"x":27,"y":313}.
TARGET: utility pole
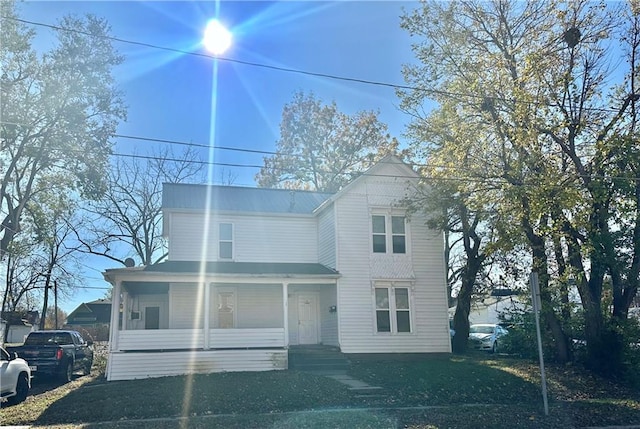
{"x":55,"y":299}
{"x":537,"y":306}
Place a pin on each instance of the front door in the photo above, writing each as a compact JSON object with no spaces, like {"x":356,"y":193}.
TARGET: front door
{"x":308,"y":319}
{"x":152,"y":318}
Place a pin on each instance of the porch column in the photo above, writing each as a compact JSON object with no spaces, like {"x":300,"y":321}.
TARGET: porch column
{"x":115,"y":316}
{"x":285,"y":306}
{"x":206,"y":312}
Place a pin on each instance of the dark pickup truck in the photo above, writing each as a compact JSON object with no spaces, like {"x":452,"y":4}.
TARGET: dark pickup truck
{"x":56,"y":353}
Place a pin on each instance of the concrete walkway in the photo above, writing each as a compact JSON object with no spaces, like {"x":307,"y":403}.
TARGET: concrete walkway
{"x":353,"y":383}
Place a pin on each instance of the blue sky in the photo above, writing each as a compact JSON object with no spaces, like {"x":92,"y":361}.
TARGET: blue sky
{"x":169,"y":94}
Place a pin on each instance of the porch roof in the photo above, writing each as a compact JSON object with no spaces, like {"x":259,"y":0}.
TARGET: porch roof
{"x":160,"y":275}
{"x":249,"y":268}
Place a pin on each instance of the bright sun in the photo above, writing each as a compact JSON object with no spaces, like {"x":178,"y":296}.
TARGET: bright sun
{"x":217,"y":38}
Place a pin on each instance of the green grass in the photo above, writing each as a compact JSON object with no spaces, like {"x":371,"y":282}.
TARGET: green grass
{"x":436,"y":392}
{"x":447,"y":381}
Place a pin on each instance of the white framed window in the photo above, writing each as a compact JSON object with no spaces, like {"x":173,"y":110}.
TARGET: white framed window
{"x":383,"y":310}
{"x":393,"y":309}
{"x":398,"y":234}
{"x":225,"y":241}
{"x":389,"y":232}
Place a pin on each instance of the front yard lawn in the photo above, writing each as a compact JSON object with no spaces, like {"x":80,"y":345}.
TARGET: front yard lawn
{"x":435,"y":392}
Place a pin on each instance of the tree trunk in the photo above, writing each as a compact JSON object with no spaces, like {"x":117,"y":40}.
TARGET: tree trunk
{"x":540,"y":265}
{"x":461,"y":316}
{"x":47,"y":286}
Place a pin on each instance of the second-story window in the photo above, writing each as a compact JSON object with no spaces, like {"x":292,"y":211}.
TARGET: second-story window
{"x":389,"y":232}
{"x":378,"y":226}
{"x":225,"y":241}
{"x":398,"y":237}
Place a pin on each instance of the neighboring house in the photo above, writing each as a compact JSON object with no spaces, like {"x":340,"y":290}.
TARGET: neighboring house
{"x":253,"y":271}
{"x":19,"y":323}
{"x":91,"y":319}
{"x":495,"y":307}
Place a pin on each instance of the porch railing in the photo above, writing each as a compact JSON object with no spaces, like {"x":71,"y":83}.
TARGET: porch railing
{"x":178,"y":339}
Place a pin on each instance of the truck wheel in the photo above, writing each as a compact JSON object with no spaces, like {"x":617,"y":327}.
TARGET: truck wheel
{"x":87,"y":367}
{"x":22,"y":390}
{"x":67,"y":374}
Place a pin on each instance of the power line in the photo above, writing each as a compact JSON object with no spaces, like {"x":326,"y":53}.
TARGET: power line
{"x":434,"y":91}
{"x":494,"y":180}
{"x":198,"y":145}
{"x":230,"y":60}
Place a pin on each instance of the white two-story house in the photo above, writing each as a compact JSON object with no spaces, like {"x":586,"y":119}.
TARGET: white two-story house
{"x":254,"y":271}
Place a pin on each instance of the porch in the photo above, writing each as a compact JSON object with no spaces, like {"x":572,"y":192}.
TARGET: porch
{"x":220,"y":322}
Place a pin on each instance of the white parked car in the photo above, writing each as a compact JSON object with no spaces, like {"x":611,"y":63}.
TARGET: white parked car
{"x":15,"y":378}
{"x":485,"y":336}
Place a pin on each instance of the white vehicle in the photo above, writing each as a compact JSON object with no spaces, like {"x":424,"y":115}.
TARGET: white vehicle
{"x":485,"y":336}
{"x":15,"y":378}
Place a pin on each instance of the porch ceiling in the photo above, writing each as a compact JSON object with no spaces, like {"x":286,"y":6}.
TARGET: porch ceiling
{"x":143,"y":288}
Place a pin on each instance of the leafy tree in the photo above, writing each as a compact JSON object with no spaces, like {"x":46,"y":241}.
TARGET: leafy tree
{"x":42,"y":258}
{"x":55,"y":318}
{"x":127,"y":219}
{"x":559,"y":140}
{"x":321,"y":148}
{"x":59,"y":110}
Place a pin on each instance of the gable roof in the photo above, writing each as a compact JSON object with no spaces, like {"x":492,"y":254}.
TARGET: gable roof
{"x":25,"y":318}
{"x":373,"y":171}
{"x":241,"y":199}
{"x":266,"y":200}
{"x":98,"y":311}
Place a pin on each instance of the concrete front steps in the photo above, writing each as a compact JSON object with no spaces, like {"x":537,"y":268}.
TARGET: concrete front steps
{"x":317,"y":358}
{"x":330,"y":362}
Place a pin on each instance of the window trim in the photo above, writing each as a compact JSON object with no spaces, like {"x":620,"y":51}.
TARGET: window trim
{"x":375,"y":234}
{"x":231,"y":241}
{"x":388,"y":232}
{"x":395,"y":234}
{"x":392,"y":307}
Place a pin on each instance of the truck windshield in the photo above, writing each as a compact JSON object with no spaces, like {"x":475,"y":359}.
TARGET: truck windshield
{"x":40,"y":338}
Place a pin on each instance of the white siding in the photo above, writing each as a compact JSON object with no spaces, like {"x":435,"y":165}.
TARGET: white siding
{"x":163,"y":339}
{"x":185,"y":314}
{"x":131,"y":366}
{"x":423,"y":265}
{"x":181,"y":339}
{"x":139,"y":303}
{"x":257,"y":306}
{"x":260,"y":238}
{"x":246,"y":338}
{"x":327,"y":237}
{"x":328,"y":319}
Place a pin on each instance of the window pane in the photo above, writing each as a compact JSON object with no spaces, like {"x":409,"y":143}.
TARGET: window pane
{"x":378,"y":226}
{"x":403,"y":321}
{"x":383,"y":321}
{"x":382,"y":298}
{"x":397,"y":224}
{"x":402,"y":299}
{"x":225,"y":310}
{"x":226,"y":231}
{"x":399,"y":244}
{"x":379,"y":244}
{"x":226,"y":250}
